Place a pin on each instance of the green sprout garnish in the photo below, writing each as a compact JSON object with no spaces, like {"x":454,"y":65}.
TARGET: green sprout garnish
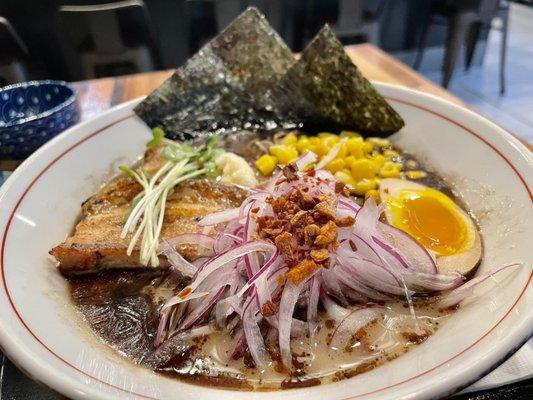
{"x":183,"y":162}
{"x":159,"y":135}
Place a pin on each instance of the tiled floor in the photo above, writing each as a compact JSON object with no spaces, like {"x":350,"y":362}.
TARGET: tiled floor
{"x":479,"y":87}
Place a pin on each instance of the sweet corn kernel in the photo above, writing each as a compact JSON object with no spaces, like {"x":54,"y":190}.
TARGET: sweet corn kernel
{"x":390,"y":154}
{"x":285,"y":154}
{"x":367,"y":147}
{"x":349,"y":161}
{"x":343,"y":151}
{"x":330,"y":141}
{"x":374,"y":194}
{"x":345,"y":177}
{"x":416,"y":174}
{"x":355,"y":147}
{"x":321,"y":148}
{"x":302,"y":143}
{"x":364,"y":186}
{"x":309,"y":167}
{"x":390,"y":170}
{"x":379,"y":159}
{"x":290,"y":140}
{"x":326,"y":134}
{"x":379,"y":142}
{"x":363,"y":169}
{"x":266,"y":164}
{"x":349,"y":134}
{"x":336,"y":165}
{"x":314,"y":145}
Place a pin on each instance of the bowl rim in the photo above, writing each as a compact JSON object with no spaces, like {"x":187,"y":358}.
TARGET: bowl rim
{"x":66,"y":385}
{"x":70,"y":99}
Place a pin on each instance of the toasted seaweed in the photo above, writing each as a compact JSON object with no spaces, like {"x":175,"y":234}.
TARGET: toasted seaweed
{"x":325,"y":90}
{"x":224,"y":85}
{"x":247,"y":79}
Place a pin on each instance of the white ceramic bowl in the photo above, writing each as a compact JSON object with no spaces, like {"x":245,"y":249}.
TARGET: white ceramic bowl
{"x":42,"y":333}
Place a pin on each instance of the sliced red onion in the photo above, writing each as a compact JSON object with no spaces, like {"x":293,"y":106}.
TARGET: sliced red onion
{"x":312,"y":304}
{"x":374,"y":261}
{"x":348,"y":320}
{"x":305,"y":160}
{"x":367,"y":218}
{"x":350,"y":205}
{"x":220,"y":217}
{"x":372,"y":275}
{"x":211,"y":266}
{"x":161,"y":329}
{"x":286,"y":309}
{"x":176,"y":260}
{"x":254,"y":339}
{"x":354,"y":283}
{"x":177,"y":299}
{"x":332,"y":285}
{"x":415,"y":255}
{"x":462,"y":292}
{"x":202,"y":310}
{"x":224,"y":308}
{"x":397,"y":257}
{"x":273,"y":263}
{"x":423,"y":282}
{"x":349,"y":326}
{"x":362,"y":247}
{"x":331,"y":154}
{"x":240,"y":345}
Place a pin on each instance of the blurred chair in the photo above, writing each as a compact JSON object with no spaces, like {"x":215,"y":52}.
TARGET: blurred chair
{"x":227,"y":10}
{"x":465,"y":20}
{"x":108,"y":39}
{"x":353,"y":20}
{"x":13,"y":52}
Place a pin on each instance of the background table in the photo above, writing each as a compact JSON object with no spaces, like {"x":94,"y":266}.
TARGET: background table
{"x":99,"y":95}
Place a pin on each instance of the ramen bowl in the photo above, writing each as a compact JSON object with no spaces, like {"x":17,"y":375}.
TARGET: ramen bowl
{"x":44,"y":335}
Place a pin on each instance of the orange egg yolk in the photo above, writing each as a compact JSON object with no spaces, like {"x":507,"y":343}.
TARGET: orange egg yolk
{"x":431,"y":218}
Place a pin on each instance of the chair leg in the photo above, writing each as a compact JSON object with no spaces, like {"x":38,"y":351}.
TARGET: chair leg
{"x":503,"y":52}
{"x":471,"y":42}
{"x":422,"y":45}
{"x":457,"y":28}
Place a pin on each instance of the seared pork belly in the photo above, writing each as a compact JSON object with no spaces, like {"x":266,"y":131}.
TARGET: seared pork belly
{"x":96,"y":243}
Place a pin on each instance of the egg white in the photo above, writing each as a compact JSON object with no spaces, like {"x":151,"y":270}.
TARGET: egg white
{"x":463,"y":262}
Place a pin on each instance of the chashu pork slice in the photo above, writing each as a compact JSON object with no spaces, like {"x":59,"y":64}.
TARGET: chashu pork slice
{"x":96,"y":243}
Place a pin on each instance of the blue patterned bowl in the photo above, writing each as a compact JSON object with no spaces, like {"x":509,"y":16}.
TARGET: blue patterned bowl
{"x":31,"y":113}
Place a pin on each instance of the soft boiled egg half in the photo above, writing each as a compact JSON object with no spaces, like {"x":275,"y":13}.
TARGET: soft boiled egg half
{"x":435,"y":221}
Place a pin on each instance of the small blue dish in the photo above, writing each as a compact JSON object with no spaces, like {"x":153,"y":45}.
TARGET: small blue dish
{"x":31,"y":113}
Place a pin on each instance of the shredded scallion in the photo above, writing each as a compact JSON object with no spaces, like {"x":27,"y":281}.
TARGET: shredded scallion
{"x":183,"y":161}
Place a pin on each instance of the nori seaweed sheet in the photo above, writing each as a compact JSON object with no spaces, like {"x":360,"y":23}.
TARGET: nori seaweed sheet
{"x":247,"y":78}
{"x":224,"y":86}
{"x":325,"y":90}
